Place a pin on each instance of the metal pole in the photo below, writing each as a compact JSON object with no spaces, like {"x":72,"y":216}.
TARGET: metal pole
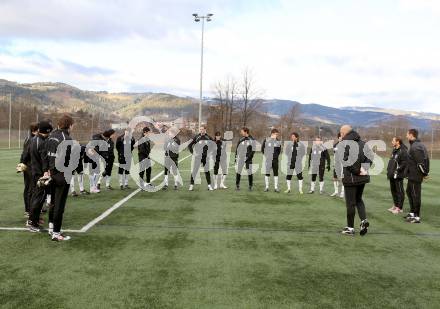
{"x":19,"y":129}
{"x":201,"y":74}
{"x":10,"y":118}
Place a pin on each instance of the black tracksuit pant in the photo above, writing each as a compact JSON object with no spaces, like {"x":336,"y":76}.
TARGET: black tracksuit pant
{"x":27,"y":192}
{"x":321,"y":175}
{"x":147,"y":174}
{"x":197,"y":165}
{"x":238,"y":175}
{"x":397,"y":191}
{"x":353,"y":201}
{"x":37,"y":201}
{"x":60,"y":191}
{"x":299,"y":176}
{"x":274,"y":167}
{"x":414,"y":192}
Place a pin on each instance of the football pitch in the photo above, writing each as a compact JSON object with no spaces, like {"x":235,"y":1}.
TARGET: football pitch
{"x":221,"y":249}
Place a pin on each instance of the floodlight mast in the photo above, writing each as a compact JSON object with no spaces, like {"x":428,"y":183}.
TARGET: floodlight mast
{"x":198,"y":18}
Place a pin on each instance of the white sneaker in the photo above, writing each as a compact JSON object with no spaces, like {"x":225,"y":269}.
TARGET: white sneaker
{"x":191,"y":188}
{"x":215,"y":186}
{"x":301,"y":192}
{"x":59,"y":237}
{"x":341,"y":195}
{"x":334,"y":194}
{"x":210,"y":188}
{"x":222,"y":186}
{"x":287,"y":191}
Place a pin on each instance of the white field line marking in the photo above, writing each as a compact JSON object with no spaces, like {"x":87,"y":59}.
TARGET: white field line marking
{"x":25,"y":229}
{"x":106,"y":213}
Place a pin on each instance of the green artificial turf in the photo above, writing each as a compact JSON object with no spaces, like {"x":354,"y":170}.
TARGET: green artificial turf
{"x":222,"y":249}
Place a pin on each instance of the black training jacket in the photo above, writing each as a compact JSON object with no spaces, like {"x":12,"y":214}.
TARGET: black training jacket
{"x":120,"y":147}
{"x":396,"y":168}
{"x":144,"y":148}
{"x":418,"y":162}
{"x":272,"y":143}
{"x":55,"y":139}
{"x":199,"y":138}
{"x":38,"y":155}
{"x":298,"y":151}
{"x":171,"y":148}
{"x":352,"y":175}
{"x":248,"y":140}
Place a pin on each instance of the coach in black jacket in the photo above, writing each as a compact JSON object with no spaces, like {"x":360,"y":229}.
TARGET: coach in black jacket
{"x":25,"y":159}
{"x":201,"y":159}
{"x":396,"y":173}
{"x":417,"y":170}
{"x":39,"y":167}
{"x":355,"y":176}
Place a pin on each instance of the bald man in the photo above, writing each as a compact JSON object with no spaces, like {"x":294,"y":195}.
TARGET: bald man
{"x":354,"y":178}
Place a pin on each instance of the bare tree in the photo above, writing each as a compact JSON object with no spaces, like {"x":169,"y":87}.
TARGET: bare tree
{"x":290,"y":121}
{"x":250,"y":100}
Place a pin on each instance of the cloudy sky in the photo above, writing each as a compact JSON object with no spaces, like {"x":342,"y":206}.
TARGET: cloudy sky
{"x":383,"y":53}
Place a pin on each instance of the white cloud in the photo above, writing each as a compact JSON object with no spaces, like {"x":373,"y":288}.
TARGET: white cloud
{"x":337,"y":53}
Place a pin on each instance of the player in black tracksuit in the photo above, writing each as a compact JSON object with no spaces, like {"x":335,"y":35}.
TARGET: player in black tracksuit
{"x":244,"y":153}
{"x":199,"y":148}
{"x":39,"y":168}
{"x":125,"y":140}
{"x":27,"y":174}
{"x":295,"y":152}
{"x":144,"y":149}
{"x":171,"y":162}
{"x":79,"y":172}
{"x":417,"y":170}
{"x":318,"y":156}
{"x":355,"y":177}
{"x":396,"y":173}
{"x":109,"y":159}
{"x":60,"y":180}
{"x":271,"y":149}
{"x":221,"y":162}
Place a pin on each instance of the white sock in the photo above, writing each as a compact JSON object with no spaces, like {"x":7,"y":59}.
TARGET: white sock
{"x":99,"y":176}
{"x":266,"y":181}
{"x":121,"y":180}
{"x":336,"y":185}
{"x":125,"y":179}
{"x":222,"y":182}
{"x":72,"y":184}
{"x":275,"y":180}
{"x":312,"y":186}
{"x":48,"y":199}
{"x":342,"y":190}
{"x":321,"y":185}
{"x":166,"y":180}
{"x":81,"y":181}
{"x":289,"y":184}
{"x":107,"y":181}
{"x":92,"y":184}
{"x":300,"y":185}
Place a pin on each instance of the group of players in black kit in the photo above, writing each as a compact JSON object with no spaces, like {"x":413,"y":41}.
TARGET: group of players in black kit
{"x":43,"y":180}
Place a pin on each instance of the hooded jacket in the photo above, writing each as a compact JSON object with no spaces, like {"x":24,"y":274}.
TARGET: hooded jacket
{"x":352,"y":172}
